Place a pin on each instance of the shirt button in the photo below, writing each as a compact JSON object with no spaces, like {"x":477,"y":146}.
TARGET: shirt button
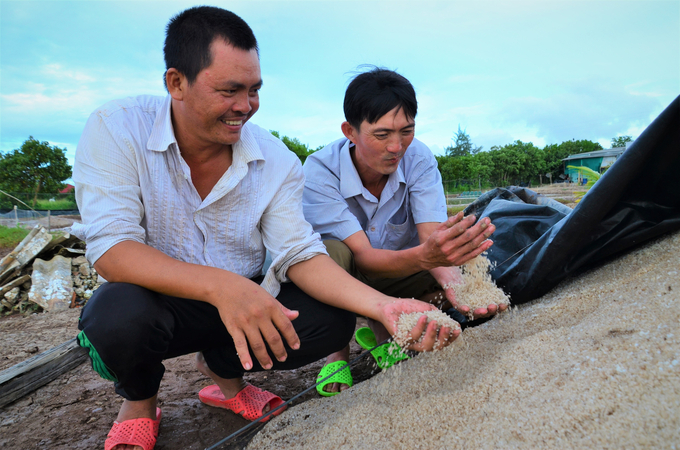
{"x":372,"y":228}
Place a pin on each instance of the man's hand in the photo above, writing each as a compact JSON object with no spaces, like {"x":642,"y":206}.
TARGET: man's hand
{"x":250,"y":314}
{"x":430,"y":339}
{"x":254,"y":317}
{"x":449,"y":276}
{"x":455,"y":241}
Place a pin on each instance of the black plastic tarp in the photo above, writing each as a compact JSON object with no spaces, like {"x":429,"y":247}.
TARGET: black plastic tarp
{"x":539,"y":241}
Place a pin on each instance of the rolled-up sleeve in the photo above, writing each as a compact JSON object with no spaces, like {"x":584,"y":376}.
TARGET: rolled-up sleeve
{"x":107,"y":189}
{"x":286,"y":233}
{"x":428,"y":203}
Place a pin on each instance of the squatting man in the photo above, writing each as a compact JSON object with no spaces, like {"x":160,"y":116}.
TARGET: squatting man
{"x":377,"y":199}
{"x":180,"y":198}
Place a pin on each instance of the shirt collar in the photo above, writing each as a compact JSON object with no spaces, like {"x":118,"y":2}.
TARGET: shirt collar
{"x":350,"y":182}
{"x":162,"y":133}
{"x":247,"y":149}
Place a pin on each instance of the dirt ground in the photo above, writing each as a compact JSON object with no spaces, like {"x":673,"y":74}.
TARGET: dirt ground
{"x":76,"y":410}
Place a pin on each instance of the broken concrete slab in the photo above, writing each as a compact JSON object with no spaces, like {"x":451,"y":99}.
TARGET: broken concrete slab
{"x":24,"y":253}
{"x":52,"y":286}
{"x":14,"y":283}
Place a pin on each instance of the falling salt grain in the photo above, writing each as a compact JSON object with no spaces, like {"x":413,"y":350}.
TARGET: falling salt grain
{"x":477,"y":289}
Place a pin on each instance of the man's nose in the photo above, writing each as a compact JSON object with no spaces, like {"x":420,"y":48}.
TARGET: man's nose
{"x":394,"y":146}
{"x":242,"y":104}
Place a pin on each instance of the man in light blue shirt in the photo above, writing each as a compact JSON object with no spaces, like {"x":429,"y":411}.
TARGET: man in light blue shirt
{"x":376,"y":198}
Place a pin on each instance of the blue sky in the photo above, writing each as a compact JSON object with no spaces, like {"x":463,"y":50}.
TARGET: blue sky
{"x":541,"y":71}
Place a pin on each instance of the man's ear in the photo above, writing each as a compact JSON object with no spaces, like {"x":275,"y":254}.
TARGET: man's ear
{"x":176,"y":83}
{"x":348,"y":131}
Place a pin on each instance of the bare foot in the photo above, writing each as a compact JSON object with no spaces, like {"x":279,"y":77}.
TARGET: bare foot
{"x":136,"y":410}
{"x":229,"y":387}
{"x":342,"y":355}
{"x":379,"y":330}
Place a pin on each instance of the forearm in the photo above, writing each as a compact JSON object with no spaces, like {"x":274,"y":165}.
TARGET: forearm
{"x":380,"y":263}
{"x":140,"y":264}
{"x":327,"y":282}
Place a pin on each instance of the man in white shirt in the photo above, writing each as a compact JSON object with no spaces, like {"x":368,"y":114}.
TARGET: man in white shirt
{"x":376,"y":198}
{"x":180,"y":197}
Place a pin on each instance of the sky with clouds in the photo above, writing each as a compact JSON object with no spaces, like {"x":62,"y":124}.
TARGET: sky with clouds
{"x":543,"y":71}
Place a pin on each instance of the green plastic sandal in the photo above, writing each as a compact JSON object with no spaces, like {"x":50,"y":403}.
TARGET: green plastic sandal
{"x":342,"y":377}
{"x":386,"y":355}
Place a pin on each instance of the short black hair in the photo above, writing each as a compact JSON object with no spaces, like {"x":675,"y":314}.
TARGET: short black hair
{"x":190,"y":33}
{"x":373,"y":94}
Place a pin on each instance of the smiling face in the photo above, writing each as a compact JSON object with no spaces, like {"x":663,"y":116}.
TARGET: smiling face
{"x":380,"y":146}
{"x":213,"y":109}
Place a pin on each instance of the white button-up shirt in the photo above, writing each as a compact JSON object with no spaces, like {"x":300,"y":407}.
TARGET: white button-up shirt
{"x":133,"y":184}
{"x":338,"y":205}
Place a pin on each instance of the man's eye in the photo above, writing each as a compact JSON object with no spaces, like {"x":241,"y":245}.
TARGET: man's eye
{"x":254,"y":92}
{"x":381,"y":136}
{"x":229,"y":91}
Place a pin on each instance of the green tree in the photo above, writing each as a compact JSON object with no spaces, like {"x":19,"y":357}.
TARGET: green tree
{"x":35,"y":167}
{"x":516,"y":163}
{"x":480,"y":168}
{"x":463,"y":145}
{"x":294,"y":145}
{"x":452,"y":168}
{"x":620,"y":141}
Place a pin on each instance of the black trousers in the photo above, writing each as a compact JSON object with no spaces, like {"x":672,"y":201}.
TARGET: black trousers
{"x":132,"y":330}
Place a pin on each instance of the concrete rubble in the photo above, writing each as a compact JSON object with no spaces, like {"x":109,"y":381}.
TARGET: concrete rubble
{"x":46,"y":273}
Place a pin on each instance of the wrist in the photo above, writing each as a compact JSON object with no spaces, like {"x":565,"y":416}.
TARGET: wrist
{"x":376,"y":309}
{"x":421,"y":258}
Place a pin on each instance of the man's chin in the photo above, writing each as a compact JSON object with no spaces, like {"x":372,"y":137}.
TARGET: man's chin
{"x":230,"y":138}
{"x":390,"y":168}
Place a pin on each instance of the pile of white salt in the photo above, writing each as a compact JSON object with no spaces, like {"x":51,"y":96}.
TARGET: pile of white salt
{"x":407,"y":322}
{"x":595,"y":363}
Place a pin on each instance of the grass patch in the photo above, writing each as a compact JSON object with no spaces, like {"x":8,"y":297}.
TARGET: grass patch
{"x":57,"y":205}
{"x":453,"y":210}
{"x":10,"y":237}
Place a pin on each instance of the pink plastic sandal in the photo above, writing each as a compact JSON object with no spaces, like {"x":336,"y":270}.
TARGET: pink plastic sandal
{"x":249,"y":402}
{"x":142,"y":432}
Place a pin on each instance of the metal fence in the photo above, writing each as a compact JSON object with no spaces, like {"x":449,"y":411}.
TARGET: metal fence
{"x":27,"y":218}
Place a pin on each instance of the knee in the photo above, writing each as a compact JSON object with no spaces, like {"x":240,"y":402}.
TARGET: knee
{"x":341,"y":254}
{"x":123,"y":315}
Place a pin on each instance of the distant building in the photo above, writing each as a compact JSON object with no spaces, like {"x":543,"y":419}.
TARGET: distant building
{"x":68,"y":189}
{"x":597,"y":161}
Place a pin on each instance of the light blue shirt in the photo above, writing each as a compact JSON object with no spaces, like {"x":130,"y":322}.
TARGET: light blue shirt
{"x":132,"y":184}
{"x":337,"y":204}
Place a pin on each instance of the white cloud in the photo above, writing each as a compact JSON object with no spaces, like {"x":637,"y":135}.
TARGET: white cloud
{"x":78,"y":90}
{"x":57,"y":111}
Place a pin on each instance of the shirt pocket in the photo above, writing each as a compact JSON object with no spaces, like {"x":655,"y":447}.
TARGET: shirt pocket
{"x":399,"y":235}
